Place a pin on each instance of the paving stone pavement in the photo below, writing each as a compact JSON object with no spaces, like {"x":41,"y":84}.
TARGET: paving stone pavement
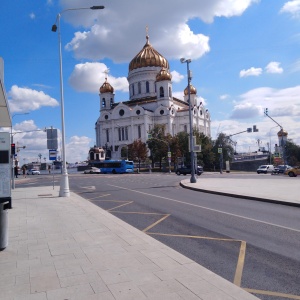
{"x":68,"y":248}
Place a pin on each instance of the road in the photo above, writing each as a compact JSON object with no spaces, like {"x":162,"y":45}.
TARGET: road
{"x":253,"y":244}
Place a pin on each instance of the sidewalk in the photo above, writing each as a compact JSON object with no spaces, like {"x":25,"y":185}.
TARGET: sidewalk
{"x":270,"y":189}
{"x":68,"y":248}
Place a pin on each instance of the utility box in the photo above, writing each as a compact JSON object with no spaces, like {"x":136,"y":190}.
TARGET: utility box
{"x":5,"y":187}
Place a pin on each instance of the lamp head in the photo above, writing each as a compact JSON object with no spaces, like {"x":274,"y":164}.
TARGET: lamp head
{"x":54,"y":28}
{"x":97,"y":7}
{"x":182,"y":60}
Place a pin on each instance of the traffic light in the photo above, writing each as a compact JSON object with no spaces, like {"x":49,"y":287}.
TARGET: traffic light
{"x":255,"y":129}
{"x":249,"y":129}
{"x":13,"y":149}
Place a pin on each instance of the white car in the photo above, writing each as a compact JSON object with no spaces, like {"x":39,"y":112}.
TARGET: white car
{"x":33,"y":172}
{"x":265,"y":169}
{"x":92,"y":170}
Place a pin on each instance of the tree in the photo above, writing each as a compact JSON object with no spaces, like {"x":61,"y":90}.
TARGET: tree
{"x":206,"y":157}
{"x":158,"y":143}
{"x":180,"y":146}
{"x":138,"y":151}
{"x":293,"y":153}
{"x":227,"y":150}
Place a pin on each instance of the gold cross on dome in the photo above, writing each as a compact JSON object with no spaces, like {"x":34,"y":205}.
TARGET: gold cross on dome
{"x":106,"y":73}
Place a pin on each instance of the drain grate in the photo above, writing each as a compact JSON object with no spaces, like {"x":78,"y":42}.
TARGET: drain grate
{"x":44,"y":195}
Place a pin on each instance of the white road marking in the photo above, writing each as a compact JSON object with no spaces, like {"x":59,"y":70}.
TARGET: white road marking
{"x":207,"y":208}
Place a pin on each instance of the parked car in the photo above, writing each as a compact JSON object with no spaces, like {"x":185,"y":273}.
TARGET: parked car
{"x":33,"y":172}
{"x":281,"y":169}
{"x":188,"y":170}
{"x":265,"y":169}
{"x":293,"y":172}
{"x":92,"y":170}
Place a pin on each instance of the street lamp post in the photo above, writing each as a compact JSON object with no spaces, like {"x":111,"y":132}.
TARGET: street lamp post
{"x":270,"y":152}
{"x":193,"y":177}
{"x":64,"y":183}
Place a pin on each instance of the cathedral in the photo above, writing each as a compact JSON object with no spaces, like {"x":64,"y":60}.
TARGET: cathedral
{"x":150,"y":102}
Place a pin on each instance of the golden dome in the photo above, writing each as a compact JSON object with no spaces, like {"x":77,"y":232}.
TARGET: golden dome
{"x":193,"y":90}
{"x":163,"y":74}
{"x":148,"y":57}
{"x":282,"y":133}
{"x":106,"y":87}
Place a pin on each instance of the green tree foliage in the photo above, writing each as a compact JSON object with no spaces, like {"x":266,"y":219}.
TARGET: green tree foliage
{"x":158,"y":143}
{"x":180,"y":147}
{"x":293,"y":153}
{"x":137,"y":151}
{"x":206,"y":157}
{"x":227,"y":150}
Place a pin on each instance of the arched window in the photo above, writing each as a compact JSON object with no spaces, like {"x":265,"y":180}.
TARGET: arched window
{"x":103,"y":102}
{"x":147,"y":87}
{"x":91,"y":155}
{"x":133,"y":89}
{"x":170,"y":92}
{"x":139,"y":88}
{"x":161,"y":92}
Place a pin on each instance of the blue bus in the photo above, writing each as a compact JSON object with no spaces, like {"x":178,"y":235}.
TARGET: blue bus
{"x":115,"y":166}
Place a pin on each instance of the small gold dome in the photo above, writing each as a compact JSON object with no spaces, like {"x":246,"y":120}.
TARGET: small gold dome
{"x":163,"y":74}
{"x":106,"y":87}
{"x":193,"y":90}
{"x":148,"y":57}
{"x":282,"y":133}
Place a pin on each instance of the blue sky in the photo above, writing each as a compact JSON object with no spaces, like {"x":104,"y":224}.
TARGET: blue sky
{"x":245,"y":57}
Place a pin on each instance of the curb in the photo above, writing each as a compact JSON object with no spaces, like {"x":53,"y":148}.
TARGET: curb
{"x":241,"y":196}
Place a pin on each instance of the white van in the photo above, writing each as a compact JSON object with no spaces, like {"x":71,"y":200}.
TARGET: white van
{"x":265,"y":169}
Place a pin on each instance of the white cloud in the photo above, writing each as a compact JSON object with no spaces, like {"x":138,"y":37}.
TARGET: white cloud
{"x":178,"y":95}
{"x":245,"y":111}
{"x":251,"y":72}
{"x":273,"y":67}
{"x":224,"y":97}
{"x":108,"y":25}
{"x":89,"y":77}
{"x":77,"y":148}
{"x":32,"y":16}
{"x":25,"y":99}
{"x":295,"y":67}
{"x":176,"y":77}
{"x":292,"y":7}
{"x":250,"y":109}
{"x":27,"y":134}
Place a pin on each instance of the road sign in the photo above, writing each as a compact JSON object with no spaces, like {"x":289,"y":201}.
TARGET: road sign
{"x":219,"y":150}
{"x":197,"y":148}
{"x":52,"y":154}
{"x":52,"y":139}
{"x":169,"y":154}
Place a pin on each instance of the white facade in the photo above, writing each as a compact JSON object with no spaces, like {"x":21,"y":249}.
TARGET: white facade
{"x":151,"y":102}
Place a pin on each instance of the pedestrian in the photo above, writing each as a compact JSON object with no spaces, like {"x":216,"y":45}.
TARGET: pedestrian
{"x":16,"y":171}
{"x":24,"y":171}
{"x":49,"y":169}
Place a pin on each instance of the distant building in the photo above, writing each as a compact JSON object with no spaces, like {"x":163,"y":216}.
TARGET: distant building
{"x":151,"y":102}
{"x":96,"y":154}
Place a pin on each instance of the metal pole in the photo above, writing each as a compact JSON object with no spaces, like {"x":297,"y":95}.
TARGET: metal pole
{"x":64,"y":182}
{"x":193,"y":177}
{"x":12,"y":160}
{"x":169,"y":158}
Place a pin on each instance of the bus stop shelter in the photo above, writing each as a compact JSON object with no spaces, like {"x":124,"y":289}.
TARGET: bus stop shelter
{"x":5,"y":166}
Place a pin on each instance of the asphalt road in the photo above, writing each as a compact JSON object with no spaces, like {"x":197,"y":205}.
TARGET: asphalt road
{"x":253,"y":244}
